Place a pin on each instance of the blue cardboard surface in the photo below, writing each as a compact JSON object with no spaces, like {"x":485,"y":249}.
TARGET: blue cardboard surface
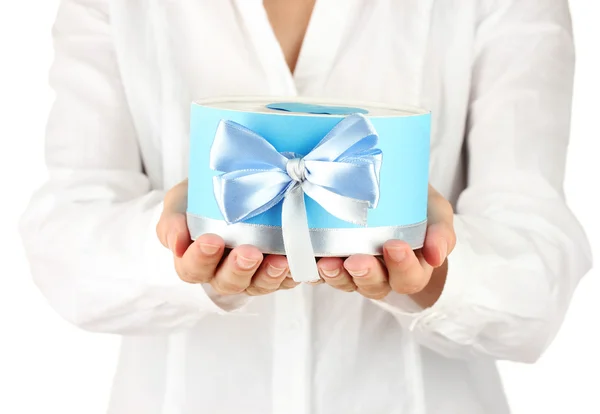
{"x":404,"y":141}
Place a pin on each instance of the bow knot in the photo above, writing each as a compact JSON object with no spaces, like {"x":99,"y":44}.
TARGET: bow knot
{"x":296,"y":169}
{"x":341,"y":174}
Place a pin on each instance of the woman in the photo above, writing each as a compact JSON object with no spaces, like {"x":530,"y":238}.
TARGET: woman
{"x":108,"y":244}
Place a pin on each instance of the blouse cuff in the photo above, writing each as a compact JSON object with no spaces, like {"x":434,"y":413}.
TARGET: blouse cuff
{"x":459,"y":284}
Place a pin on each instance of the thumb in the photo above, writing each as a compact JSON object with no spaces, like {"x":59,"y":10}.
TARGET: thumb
{"x":440,"y":238}
{"x":172,"y":230}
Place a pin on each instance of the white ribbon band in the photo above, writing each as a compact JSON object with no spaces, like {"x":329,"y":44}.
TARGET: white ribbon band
{"x":325,"y":242}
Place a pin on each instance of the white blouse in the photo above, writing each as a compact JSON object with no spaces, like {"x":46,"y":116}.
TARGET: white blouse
{"x":497,"y":75}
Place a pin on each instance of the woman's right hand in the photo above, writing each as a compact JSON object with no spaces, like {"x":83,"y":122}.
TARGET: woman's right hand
{"x":205,"y":260}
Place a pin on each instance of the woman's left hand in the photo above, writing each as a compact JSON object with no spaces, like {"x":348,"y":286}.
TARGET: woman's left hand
{"x":420,"y":273}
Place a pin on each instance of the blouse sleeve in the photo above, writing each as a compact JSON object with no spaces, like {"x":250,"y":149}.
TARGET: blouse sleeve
{"x":520,"y":251}
{"x":90,"y":231}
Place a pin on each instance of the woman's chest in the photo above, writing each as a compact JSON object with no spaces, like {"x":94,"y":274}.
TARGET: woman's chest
{"x":384,"y":50}
{"x":415,"y":52}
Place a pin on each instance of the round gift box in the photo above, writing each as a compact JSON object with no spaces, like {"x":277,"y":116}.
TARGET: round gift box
{"x":298,"y":125}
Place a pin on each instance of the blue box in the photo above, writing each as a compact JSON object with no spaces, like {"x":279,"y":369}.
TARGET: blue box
{"x":298,"y":125}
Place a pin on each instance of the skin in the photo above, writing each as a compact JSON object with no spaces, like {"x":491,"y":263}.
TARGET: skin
{"x":420,"y":274}
{"x":289,"y":20}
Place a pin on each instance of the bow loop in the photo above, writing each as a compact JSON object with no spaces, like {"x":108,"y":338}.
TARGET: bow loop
{"x":236,"y":147}
{"x":351,"y":136}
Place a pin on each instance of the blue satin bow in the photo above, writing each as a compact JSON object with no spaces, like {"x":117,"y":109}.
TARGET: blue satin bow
{"x":341,"y":174}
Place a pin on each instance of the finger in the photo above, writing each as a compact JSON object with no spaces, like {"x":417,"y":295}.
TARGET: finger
{"x":440,"y":238}
{"x":200,"y":261}
{"x":369,"y":275}
{"x":270,"y":275}
{"x":406,"y":273}
{"x":335,"y":275}
{"x":171,"y":229}
{"x":235,"y":273}
{"x":173,"y":233}
{"x":176,"y":198}
{"x":288,"y":283}
{"x":439,"y":242}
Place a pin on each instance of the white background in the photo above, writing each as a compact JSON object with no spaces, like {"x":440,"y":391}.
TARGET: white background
{"x":48,"y":366}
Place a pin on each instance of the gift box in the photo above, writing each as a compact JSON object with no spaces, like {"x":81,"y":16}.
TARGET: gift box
{"x":308,"y":178}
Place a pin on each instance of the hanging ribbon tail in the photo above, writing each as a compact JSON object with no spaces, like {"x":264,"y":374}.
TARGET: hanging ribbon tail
{"x":345,"y":208}
{"x":355,"y":178}
{"x":296,"y":237}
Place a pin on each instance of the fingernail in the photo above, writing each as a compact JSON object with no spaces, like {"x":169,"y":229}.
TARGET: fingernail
{"x":358,"y":273}
{"x":209,"y":249}
{"x":275,"y":271}
{"x":246,"y":263}
{"x":397,"y":254}
{"x":330,"y":272}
